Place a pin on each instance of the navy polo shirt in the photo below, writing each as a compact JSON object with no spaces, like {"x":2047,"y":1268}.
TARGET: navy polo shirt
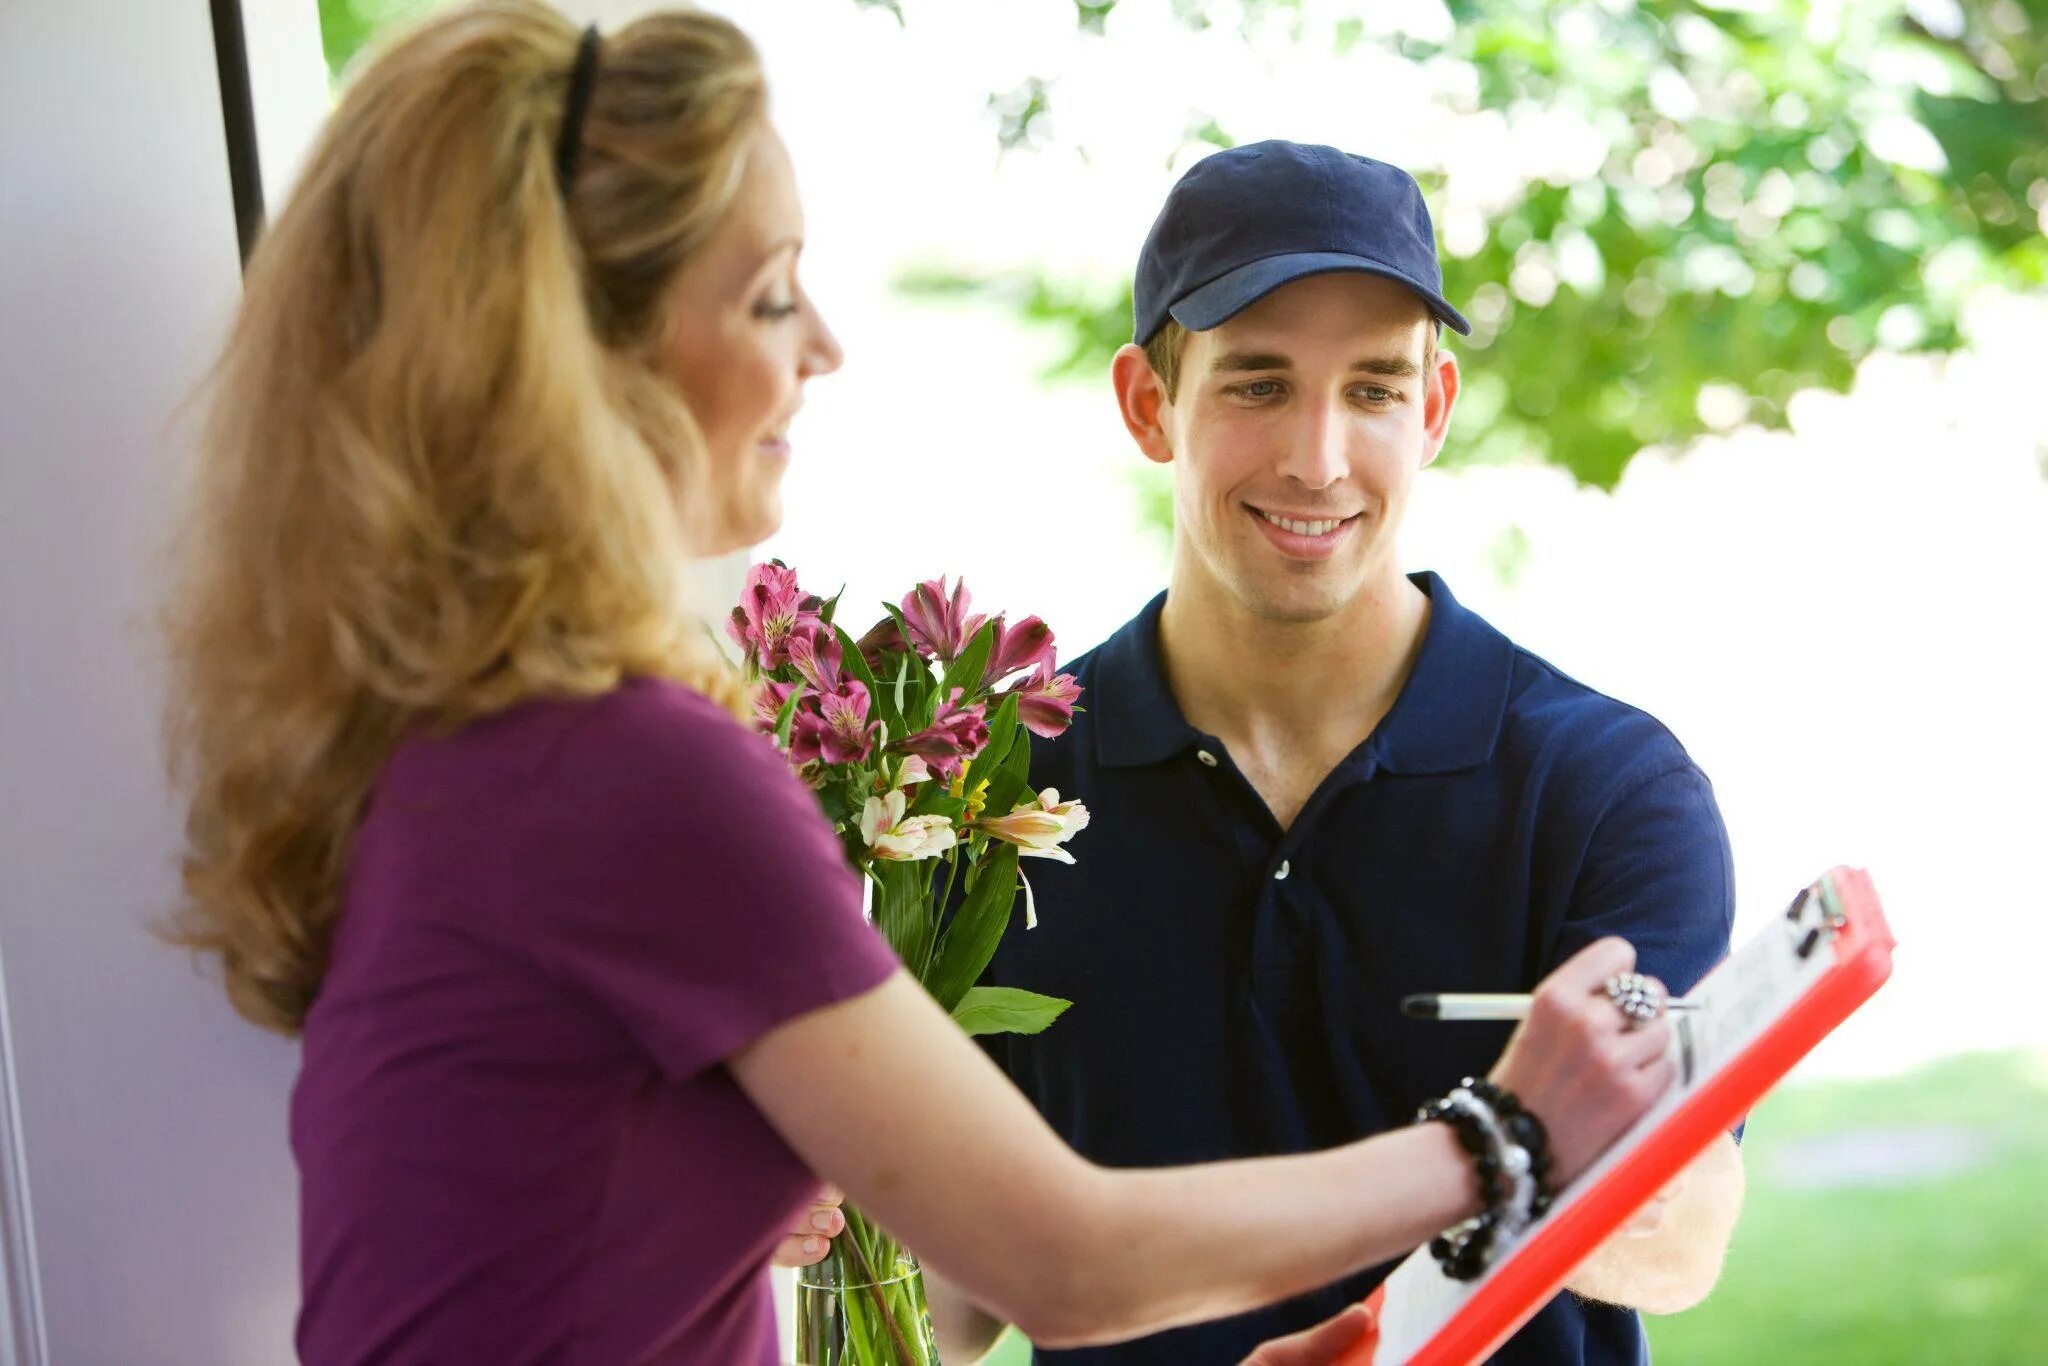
{"x":1236,"y":987}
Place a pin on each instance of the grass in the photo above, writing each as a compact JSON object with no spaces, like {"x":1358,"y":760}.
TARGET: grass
{"x":1948,"y":1264}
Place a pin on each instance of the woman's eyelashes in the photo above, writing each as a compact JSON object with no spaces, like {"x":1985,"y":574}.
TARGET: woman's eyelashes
{"x":775,"y":310}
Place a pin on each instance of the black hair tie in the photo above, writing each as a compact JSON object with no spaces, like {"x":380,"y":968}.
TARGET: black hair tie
{"x":581,"y":77}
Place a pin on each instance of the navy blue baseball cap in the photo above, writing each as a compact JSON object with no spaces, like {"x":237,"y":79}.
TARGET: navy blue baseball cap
{"x":1243,"y":222}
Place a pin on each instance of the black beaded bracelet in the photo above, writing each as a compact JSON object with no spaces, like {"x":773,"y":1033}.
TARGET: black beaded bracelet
{"x":1496,"y":1130}
{"x":1524,"y":1128}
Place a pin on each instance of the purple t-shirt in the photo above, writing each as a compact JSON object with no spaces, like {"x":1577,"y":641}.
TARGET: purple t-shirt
{"x":516,"y":1137}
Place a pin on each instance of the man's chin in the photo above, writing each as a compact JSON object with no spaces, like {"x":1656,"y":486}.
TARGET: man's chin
{"x":1297,"y":602}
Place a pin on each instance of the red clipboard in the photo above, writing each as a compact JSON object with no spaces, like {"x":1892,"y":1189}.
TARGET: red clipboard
{"x":1842,"y":953}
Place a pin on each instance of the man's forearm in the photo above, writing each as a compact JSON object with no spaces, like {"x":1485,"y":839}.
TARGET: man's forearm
{"x":1674,"y":1268}
{"x":965,"y":1331}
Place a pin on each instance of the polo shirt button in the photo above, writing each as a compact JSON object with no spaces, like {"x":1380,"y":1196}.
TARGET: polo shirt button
{"x":1206,"y":757}
{"x":1281,"y":876}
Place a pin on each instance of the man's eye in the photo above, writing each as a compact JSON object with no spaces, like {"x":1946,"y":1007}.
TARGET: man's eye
{"x":1259,"y":388}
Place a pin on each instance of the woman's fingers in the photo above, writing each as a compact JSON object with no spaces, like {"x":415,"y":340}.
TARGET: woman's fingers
{"x":807,"y":1244}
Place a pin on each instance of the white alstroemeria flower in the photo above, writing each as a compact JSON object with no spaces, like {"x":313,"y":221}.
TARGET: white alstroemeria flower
{"x":912,"y":772}
{"x":885,"y":830}
{"x":1039,"y":827}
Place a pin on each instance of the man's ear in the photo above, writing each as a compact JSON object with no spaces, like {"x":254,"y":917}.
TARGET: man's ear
{"x":1437,"y":401}
{"x":1142,"y":400}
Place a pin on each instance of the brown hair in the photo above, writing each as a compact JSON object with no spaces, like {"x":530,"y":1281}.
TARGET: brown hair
{"x":440,"y":471}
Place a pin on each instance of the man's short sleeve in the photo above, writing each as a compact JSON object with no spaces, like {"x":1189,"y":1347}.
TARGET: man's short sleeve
{"x":690,"y":884}
{"x":1657,"y":872}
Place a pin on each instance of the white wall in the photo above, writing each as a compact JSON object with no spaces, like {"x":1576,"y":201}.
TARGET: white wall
{"x":152,"y":1121}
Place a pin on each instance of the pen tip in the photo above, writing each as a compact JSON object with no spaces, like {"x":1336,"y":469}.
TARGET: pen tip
{"x":1419,"y":1007}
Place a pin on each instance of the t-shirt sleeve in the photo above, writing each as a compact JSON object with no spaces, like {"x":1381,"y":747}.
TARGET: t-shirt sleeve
{"x":1657,"y":871}
{"x":691,"y":886}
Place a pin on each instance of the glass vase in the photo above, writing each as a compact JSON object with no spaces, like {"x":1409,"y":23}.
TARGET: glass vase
{"x":864,"y":1304}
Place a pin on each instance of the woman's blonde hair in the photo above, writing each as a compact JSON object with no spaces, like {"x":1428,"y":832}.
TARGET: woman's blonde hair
{"x":441,"y":472}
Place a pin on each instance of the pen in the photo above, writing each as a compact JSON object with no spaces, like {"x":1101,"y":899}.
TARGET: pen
{"x":1454,"y":1005}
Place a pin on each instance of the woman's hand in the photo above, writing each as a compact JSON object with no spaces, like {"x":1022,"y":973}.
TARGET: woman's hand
{"x":807,"y":1243}
{"x":1577,"y":1065}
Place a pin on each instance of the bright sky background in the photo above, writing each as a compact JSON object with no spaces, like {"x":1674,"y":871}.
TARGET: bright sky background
{"x":1844,"y":624}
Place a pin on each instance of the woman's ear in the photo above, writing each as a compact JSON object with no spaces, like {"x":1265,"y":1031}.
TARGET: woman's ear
{"x":1142,"y":400}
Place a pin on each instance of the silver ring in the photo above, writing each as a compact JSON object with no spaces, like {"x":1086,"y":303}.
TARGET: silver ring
{"x":1640,"y":999}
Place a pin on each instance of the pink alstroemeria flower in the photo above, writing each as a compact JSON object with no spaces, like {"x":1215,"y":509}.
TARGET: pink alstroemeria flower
{"x":835,"y":728}
{"x":1046,"y":705}
{"x":1025,"y":646}
{"x":884,"y":636}
{"x":939,"y":625}
{"x":886,"y":832}
{"x":770,"y":606}
{"x":814,"y":651}
{"x":954,"y":737}
{"x":769,"y":701}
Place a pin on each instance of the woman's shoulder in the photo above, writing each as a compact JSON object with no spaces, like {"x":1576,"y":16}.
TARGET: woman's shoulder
{"x":659,"y":731}
{"x":645,"y":734}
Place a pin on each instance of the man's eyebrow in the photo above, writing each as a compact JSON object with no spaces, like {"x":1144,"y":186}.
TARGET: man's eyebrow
{"x":1231,"y":361}
{"x":1389,"y":367}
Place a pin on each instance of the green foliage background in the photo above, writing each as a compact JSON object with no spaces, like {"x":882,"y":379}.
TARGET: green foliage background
{"x":1742,"y":233}
{"x":1757,"y":244}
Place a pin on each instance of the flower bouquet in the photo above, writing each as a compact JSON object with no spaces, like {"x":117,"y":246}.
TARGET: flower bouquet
{"x":916,"y":739}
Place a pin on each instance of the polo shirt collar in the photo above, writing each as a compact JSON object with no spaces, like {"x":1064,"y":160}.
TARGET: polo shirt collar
{"x":1448,"y":716}
{"x":1137,"y":719}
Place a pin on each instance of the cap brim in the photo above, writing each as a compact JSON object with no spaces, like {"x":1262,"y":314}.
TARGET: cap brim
{"x":1224,"y":298}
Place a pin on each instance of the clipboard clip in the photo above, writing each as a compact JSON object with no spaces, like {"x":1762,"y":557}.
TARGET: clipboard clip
{"x":1817,"y":911}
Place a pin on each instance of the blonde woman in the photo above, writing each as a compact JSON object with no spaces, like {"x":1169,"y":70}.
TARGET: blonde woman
{"x":587,"y":1002}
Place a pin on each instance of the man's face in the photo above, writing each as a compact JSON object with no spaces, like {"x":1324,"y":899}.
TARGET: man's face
{"x":1296,"y":434}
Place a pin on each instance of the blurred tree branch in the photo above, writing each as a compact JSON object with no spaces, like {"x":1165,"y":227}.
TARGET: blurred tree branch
{"x":1783,"y":189}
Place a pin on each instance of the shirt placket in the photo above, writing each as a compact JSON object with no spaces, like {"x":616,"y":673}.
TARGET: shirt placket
{"x":1262,"y":845}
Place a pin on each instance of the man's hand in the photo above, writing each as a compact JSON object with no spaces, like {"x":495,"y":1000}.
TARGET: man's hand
{"x":816,"y":1227}
{"x":1320,"y":1345}
{"x":1666,"y":1258}
{"x":1648,"y":1221}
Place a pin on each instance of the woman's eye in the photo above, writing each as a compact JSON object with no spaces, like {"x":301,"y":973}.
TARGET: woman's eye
{"x":773,"y":311}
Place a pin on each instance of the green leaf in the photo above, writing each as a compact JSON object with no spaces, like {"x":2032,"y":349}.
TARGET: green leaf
{"x":1012,"y":780}
{"x":1003,"y":732}
{"x":1006,"y":1010}
{"x":902,"y":679}
{"x":855,"y":665}
{"x":786,"y":716}
{"x":970,"y":941}
{"x":904,"y":912}
{"x":965,"y":672}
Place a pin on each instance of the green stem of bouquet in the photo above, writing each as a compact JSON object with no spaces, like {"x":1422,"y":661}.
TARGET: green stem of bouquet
{"x":878,"y":1315}
{"x":865,"y":1269}
{"x":953,"y":862}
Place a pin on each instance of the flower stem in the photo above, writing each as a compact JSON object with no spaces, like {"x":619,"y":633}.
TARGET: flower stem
{"x":866,"y":1271}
